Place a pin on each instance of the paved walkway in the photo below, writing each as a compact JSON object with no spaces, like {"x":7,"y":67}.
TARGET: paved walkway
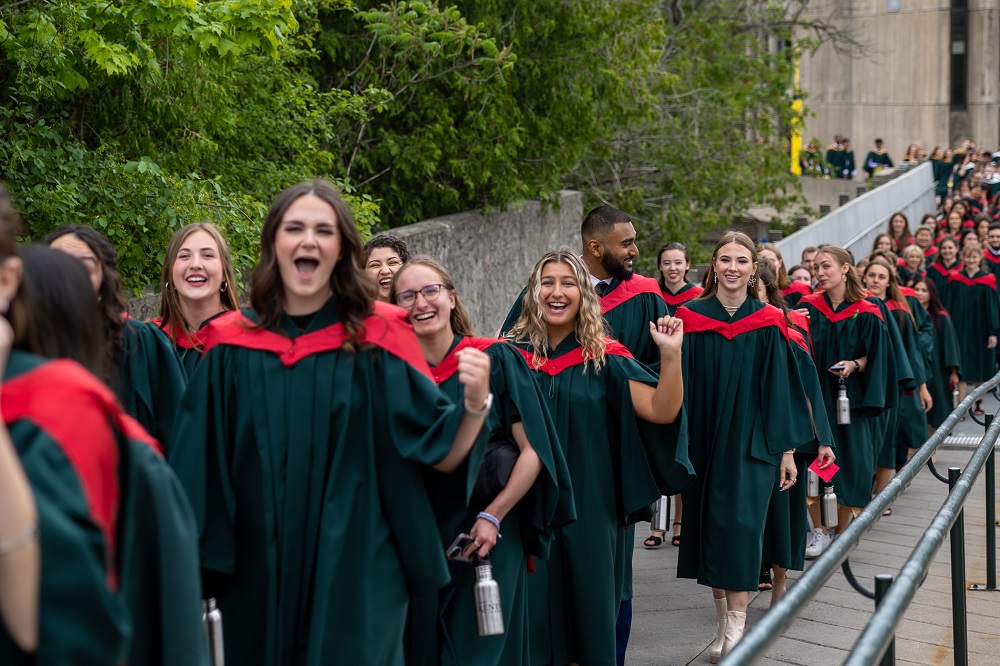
{"x":674,"y":619}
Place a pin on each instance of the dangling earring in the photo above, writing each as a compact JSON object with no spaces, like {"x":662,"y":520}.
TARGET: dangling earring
{"x":752,"y":281}
{"x":845,"y":277}
{"x":715,"y":276}
{"x":224,"y":287}
{"x":166,"y":285}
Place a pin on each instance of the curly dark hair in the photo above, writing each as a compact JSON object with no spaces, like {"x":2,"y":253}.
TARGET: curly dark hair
{"x":109,"y":296}
{"x":394,"y":243}
{"x":355,"y":293}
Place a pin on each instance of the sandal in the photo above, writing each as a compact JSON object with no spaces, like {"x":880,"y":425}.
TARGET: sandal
{"x":979,"y":408}
{"x":775,"y":589}
{"x":765,"y":582}
{"x":653,"y":541}
{"x":676,"y":540}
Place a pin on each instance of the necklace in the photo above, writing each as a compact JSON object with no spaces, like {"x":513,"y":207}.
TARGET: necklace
{"x":731,"y":309}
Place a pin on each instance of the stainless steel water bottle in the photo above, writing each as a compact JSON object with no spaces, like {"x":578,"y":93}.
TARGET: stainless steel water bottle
{"x":661,"y":517}
{"x":955,"y":398}
{"x":828,"y":508}
{"x":812,"y":483}
{"x":486,"y":595}
{"x":212,"y":619}
{"x":843,"y":405}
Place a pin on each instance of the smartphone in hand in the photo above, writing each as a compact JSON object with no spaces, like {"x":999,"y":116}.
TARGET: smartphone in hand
{"x":456,"y":551}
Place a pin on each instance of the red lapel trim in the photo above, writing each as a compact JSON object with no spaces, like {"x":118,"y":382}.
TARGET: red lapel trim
{"x":769,"y":315}
{"x":988,"y":280}
{"x":896,"y":305}
{"x":626,"y":291}
{"x":908,"y":291}
{"x":990,"y":257}
{"x":797,"y":287}
{"x":682,"y":296}
{"x":449,"y":364}
{"x":853,"y":310}
{"x":385,"y":328}
{"x":930,"y":251}
{"x":939,"y":267}
{"x":180,"y":339}
{"x":798,"y":338}
{"x":553,"y":366}
{"x":76,"y":411}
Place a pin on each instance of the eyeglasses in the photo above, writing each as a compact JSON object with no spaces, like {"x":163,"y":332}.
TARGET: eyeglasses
{"x":406,"y":299}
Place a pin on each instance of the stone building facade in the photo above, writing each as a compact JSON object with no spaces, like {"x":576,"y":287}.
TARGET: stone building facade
{"x":933,"y":75}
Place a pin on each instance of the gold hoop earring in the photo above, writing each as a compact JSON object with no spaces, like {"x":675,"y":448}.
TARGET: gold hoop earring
{"x":224,"y":287}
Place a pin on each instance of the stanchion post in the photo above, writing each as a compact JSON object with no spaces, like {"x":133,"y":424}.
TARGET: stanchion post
{"x":991,"y":516}
{"x":958,"y":615}
{"x":882,"y":584}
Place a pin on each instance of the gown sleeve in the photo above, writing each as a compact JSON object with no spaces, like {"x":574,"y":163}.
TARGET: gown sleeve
{"x":785,"y":410}
{"x":814,"y":392}
{"x":151,"y":380}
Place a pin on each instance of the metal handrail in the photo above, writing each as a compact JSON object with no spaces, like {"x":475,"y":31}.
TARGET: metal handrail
{"x":780,"y":617}
{"x":875,"y":638}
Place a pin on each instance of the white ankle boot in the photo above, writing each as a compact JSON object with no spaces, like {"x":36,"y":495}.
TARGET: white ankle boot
{"x":715,"y":651}
{"x":735,"y":623}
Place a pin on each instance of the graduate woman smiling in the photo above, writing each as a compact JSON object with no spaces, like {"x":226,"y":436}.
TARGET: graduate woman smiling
{"x":303,"y":433}
{"x":747,"y":412}
{"x":610,"y":421}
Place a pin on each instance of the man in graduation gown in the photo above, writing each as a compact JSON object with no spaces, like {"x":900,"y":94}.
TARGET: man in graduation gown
{"x":629,"y":302}
{"x":877,"y":159}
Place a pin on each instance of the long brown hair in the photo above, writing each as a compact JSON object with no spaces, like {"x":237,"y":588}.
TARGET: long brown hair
{"x":354,"y":291}
{"x":712,"y":287}
{"x":109,"y":295}
{"x":854,"y":291}
{"x":171,"y":313}
{"x":659,"y":257}
{"x":461,"y":323}
{"x":782,"y":274}
{"x":590,"y":324}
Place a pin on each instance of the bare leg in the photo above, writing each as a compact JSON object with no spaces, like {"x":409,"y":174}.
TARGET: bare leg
{"x":678,"y":512}
{"x":736,"y":600}
{"x":778,"y":583}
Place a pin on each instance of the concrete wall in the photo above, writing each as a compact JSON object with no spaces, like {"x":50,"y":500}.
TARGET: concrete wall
{"x":855,"y":225}
{"x":900,"y":91}
{"x":490,"y":254}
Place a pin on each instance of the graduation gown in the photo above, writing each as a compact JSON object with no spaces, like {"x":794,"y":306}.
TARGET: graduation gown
{"x":746,"y":405}
{"x":302,"y":462}
{"x":150,"y":379}
{"x":946,"y":356}
{"x":939,"y":274}
{"x":794,"y":292}
{"x":527,"y":529}
{"x":908,"y":425}
{"x":59,"y":419}
{"x":686,"y":293}
{"x":621,"y":465}
{"x":875,"y":159}
{"x":187,"y":347}
{"x":991,"y":262}
{"x":975,"y":310}
{"x":851,"y":331}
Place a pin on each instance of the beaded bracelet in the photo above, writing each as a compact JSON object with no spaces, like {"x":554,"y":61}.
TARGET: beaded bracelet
{"x":491,"y":518}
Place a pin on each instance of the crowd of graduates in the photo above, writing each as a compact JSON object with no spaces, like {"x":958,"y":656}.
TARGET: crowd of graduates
{"x":335,"y":455}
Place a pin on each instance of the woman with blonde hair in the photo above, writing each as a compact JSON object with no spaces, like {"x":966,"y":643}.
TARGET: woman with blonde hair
{"x":516,"y":477}
{"x":747,"y":410}
{"x":606,"y":413}
{"x":198,"y":284}
{"x":851,"y":348}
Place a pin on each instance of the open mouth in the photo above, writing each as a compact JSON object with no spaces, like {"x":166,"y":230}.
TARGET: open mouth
{"x":556,"y":308}
{"x":306,"y":267}
{"x":385,"y":282}
{"x":424,"y":316}
{"x":196,"y":280}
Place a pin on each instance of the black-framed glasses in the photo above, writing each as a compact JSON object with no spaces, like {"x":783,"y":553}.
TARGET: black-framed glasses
{"x":406,"y":299}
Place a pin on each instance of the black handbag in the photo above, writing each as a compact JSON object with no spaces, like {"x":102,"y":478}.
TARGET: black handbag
{"x":498,"y":463}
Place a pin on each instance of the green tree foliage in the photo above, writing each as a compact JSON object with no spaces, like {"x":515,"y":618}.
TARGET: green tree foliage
{"x":139,"y":116}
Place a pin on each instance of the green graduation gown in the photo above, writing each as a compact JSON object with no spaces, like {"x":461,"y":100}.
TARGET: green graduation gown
{"x":619,"y":465}
{"x":851,"y":331}
{"x":991,"y":261}
{"x":150,"y":379}
{"x":302,"y":462}
{"x":59,"y":417}
{"x":946,"y":356}
{"x":787,"y":515}
{"x":187,"y":347}
{"x":973,"y":305}
{"x":907,"y":427}
{"x":746,"y":405}
{"x":794,"y":292}
{"x":686,"y":293}
{"x":526,"y":530}
{"x":939,"y":274}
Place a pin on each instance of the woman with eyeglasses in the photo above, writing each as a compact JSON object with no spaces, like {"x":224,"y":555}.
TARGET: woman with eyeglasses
{"x":302,"y":438}
{"x":381,"y":258}
{"x":610,"y":420}
{"x":534,"y":498}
